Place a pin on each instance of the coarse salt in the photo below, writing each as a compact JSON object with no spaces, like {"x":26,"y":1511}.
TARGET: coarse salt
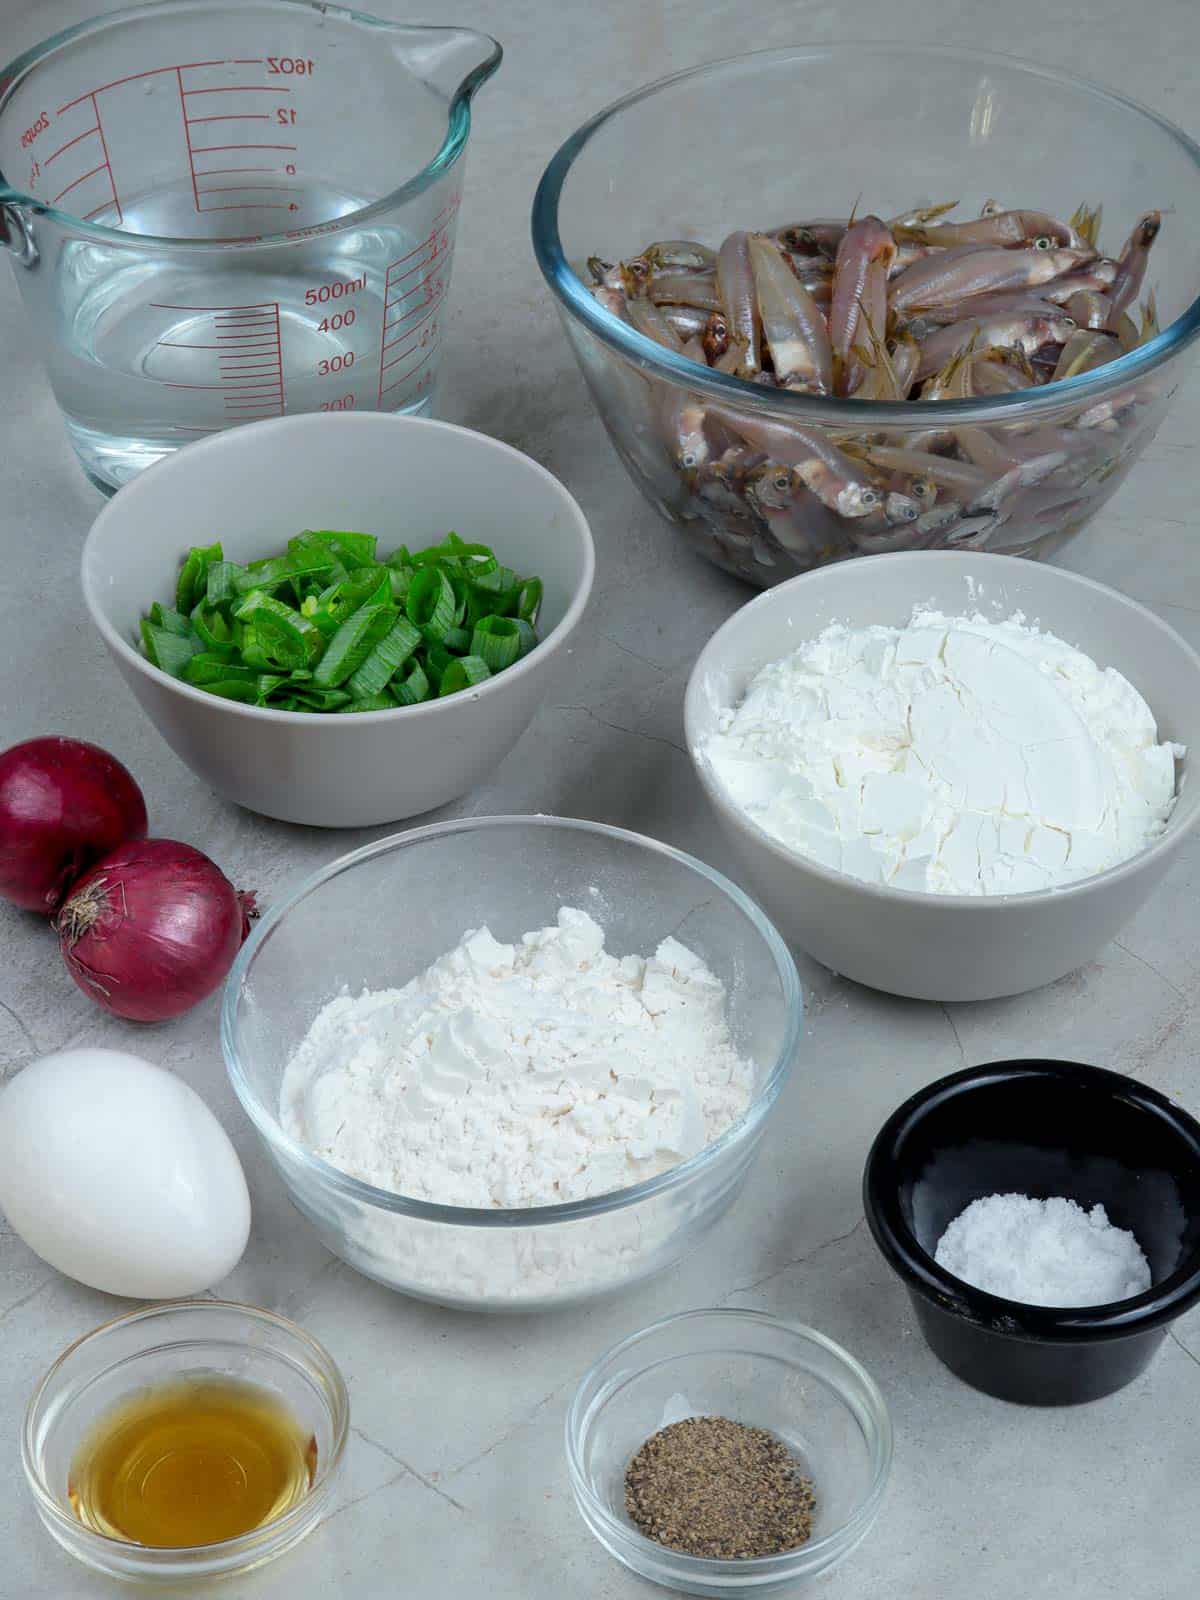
{"x":1043,"y":1252}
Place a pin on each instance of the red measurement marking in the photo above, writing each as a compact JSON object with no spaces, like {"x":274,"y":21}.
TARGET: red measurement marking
{"x":65,"y":147}
{"x":243,"y":88}
{"x":420,"y":267}
{"x":207,"y":149}
{"x":251,"y":205}
{"x":404,"y":376}
{"x":77,"y":182}
{"x":175,"y":344}
{"x":217,"y":172}
{"x":258,"y":305}
{"x":405,"y":300}
{"x":427,"y":308}
{"x":187,"y":137}
{"x":152,"y":72}
{"x":403,"y":355}
{"x":250,"y":377}
{"x":233,"y":116}
{"x":241,"y":188}
{"x":104,"y":146}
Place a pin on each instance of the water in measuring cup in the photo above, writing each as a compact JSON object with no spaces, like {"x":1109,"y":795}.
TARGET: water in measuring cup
{"x":155,"y":351}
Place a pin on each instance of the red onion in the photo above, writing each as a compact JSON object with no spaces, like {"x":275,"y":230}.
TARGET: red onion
{"x":152,"y":929}
{"x":63,"y":804}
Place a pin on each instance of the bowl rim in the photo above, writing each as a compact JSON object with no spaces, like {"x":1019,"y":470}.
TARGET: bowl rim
{"x":577,"y":301}
{"x":757,"y":1569}
{"x":323,"y":1173}
{"x":216,"y":444}
{"x":78,"y":1532}
{"x":453,"y":143}
{"x":868,"y":571}
{"x":1016,"y":1319}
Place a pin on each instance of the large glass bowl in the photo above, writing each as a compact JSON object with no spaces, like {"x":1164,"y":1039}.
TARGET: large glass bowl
{"x":380,"y":916}
{"x":810,"y":132}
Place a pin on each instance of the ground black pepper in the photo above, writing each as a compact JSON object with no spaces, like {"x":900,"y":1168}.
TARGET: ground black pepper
{"x":711,"y":1487}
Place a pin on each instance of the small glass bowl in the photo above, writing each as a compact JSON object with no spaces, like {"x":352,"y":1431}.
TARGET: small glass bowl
{"x":147,"y":1347}
{"x":754,"y":1369}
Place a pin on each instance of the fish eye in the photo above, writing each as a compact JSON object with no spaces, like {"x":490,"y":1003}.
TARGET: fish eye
{"x":689,"y":459}
{"x":1069,"y":321}
{"x":869,"y":497}
{"x":1043,"y":242}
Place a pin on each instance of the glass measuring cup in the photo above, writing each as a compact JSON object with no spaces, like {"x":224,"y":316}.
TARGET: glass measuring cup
{"x":219,"y":212}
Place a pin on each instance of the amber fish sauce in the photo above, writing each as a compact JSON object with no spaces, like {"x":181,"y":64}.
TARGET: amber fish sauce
{"x":191,"y":1461}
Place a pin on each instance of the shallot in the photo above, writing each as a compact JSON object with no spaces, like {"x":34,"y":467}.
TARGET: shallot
{"x":63,"y":805}
{"x":152,"y":929}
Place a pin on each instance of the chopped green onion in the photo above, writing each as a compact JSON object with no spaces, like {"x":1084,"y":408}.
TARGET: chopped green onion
{"x":233,"y":689}
{"x":352,"y":644}
{"x":167,"y":650}
{"x":437,"y":660}
{"x":496,"y":640}
{"x":414,"y":688}
{"x":430,"y":604}
{"x":372,"y":702}
{"x":173,"y":621}
{"x":354,"y":549}
{"x":193,"y":575}
{"x":529,"y":601}
{"x":463,"y":673}
{"x":388,"y":656}
{"x":214,"y":630}
{"x":221,"y":582}
{"x":204,"y":669}
{"x":309,"y":699}
{"x":286,"y":635}
{"x":330,"y":625}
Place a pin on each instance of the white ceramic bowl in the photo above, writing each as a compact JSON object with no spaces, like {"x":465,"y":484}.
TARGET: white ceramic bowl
{"x":948,"y":947}
{"x":406,"y":479}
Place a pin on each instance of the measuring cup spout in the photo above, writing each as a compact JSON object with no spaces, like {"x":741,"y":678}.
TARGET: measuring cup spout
{"x":454,"y":62}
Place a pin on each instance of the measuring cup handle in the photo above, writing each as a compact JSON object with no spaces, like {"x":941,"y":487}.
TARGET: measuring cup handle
{"x":16,"y":231}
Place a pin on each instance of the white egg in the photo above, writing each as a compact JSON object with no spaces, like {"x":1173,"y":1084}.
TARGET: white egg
{"x":117,"y":1173}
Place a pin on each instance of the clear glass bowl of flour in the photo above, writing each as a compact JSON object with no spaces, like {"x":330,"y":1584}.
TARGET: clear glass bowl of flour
{"x":378,"y":917}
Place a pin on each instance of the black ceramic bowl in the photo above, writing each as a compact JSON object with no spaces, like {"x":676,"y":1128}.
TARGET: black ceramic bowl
{"x":1039,"y":1128}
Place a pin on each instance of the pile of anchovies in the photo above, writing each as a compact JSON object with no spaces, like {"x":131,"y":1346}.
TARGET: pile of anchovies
{"x":917,"y":308}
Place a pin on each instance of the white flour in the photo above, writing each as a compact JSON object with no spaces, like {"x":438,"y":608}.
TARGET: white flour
{"x":513,"y":1076}
{"x":953,"y":756}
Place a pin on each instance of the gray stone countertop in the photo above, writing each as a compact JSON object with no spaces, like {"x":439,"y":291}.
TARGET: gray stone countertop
{"x":455,"y":1482}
